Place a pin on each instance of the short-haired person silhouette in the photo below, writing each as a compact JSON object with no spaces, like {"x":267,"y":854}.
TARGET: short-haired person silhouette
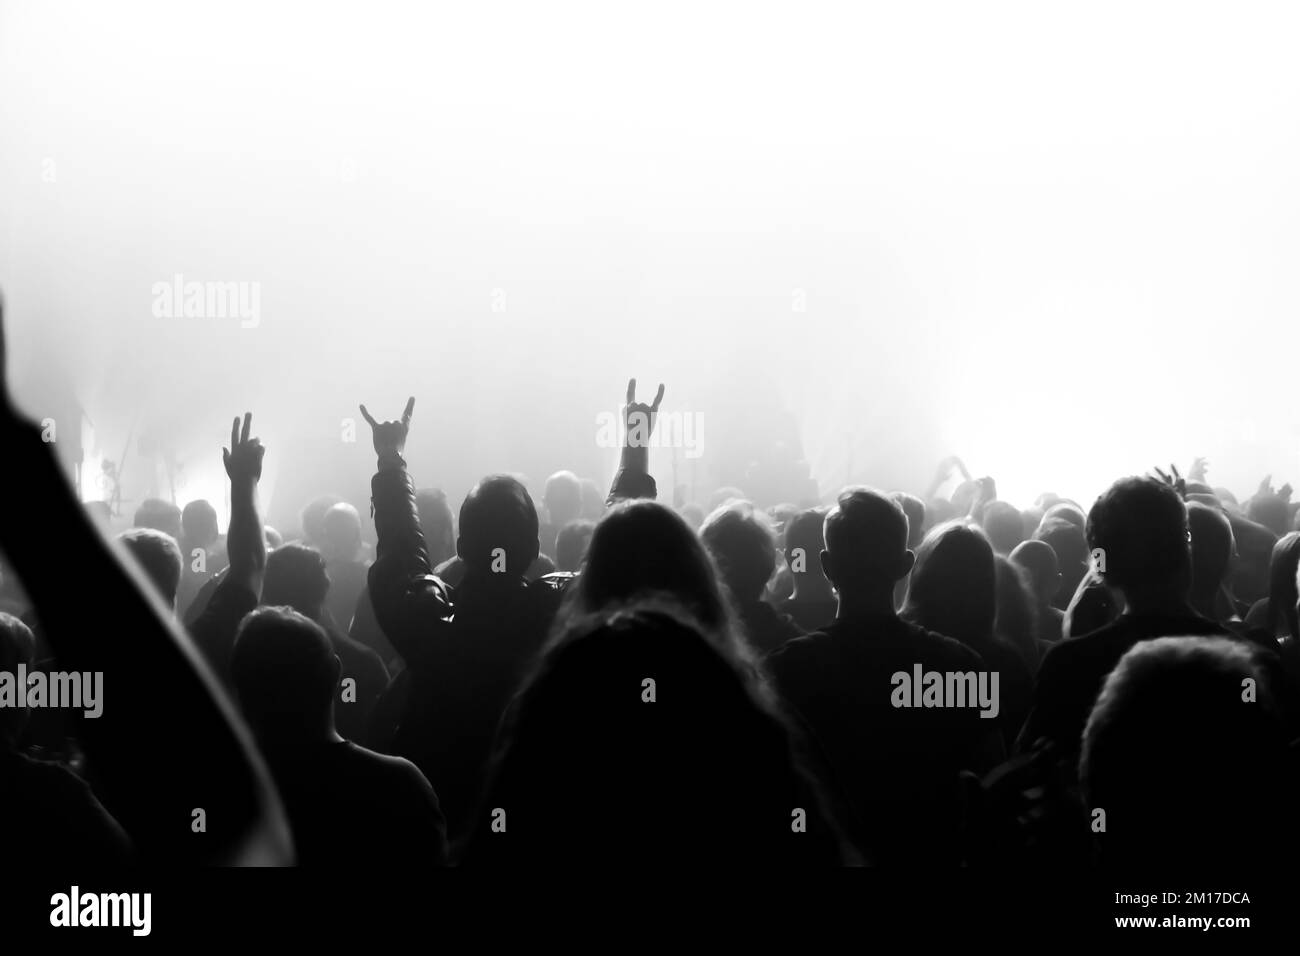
{"x":1140,"y":524}
{"x":160,"y":515}
{"x":1067,"y":511}
{"x":562,"y":499}
{"x":201,"y":552}
{"x":345,"y":558}
{"x":723,"y":496}
{"x":159,"y":557}
{"x":1070,"y":543}
{"x":743,"y":546}
{"x":638,"y":739}
{"x":347,"y":806}
{"x":297,"y":576}
{"x":312,"y":519}
{"x":1192,"y":771}
{"x":896,"y":769}
{"x":1038,"y":561}
{"x":1003,"y":525}
{"x":199,"y":524}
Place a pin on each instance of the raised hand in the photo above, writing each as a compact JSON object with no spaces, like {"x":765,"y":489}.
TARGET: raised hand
{"x":1197,"y":472}
{"x":390,"y":437}
{"x":1266,"y":489}
{"x":1174,"y":481}
{"x":243,"y":459}
{"x":639,"y":418}
{"x":245,"y":541}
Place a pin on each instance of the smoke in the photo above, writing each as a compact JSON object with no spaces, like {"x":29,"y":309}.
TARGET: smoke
{"x":1057,"y":244}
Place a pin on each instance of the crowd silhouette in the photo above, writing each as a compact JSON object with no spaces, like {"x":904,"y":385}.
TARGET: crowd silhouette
{"x":622,"y":681}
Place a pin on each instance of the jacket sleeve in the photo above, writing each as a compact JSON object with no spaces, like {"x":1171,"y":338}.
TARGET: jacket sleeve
{"x":633,"y":479}
{"x":411,"y":605}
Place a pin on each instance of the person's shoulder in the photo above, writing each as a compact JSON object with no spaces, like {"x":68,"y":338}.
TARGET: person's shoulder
{"x":799,"y":651}
{"x":1068,"y":649}
{"x":391,"y":770}
{"x":380,"y":763}
{"x":804,"y":642}
{"x":359,"y":654}
{"x":940,"y":646}
{"x":544,"y":594}
{"x":230,"y":591}
{"x":1104,"y":644}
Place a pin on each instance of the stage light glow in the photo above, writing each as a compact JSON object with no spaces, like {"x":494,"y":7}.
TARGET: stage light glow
{"x":509,"y":210}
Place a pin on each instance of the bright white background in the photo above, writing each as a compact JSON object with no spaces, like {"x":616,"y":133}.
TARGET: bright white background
{"x":1060,"y":240}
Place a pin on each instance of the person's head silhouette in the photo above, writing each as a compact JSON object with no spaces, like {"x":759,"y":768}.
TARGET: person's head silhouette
{"x":642,"y":547}
{"x":341,"y":533}
{"x":914,"y":508}
{"x":1213,"y":550}
{"x":1183,"y":741}
{"x":312,"y":519}
{"x":199,"y":524}
{"x":1139,"y":527}
{"x":296,"y":577}
{"x":1282,"y":592}
{"x":1038,"y":560}
{"x":638,"y":737}
{"x":953,"y":587}
{"x":1004,"y":526}
{"x":498,"y":531}
{"x":742,"y":544}
{"x":159,"y":556}
{"x":563,"y":498}
{"x":160,"y":515}
{"x":285,"y":673}
{"x":866,"y":550}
